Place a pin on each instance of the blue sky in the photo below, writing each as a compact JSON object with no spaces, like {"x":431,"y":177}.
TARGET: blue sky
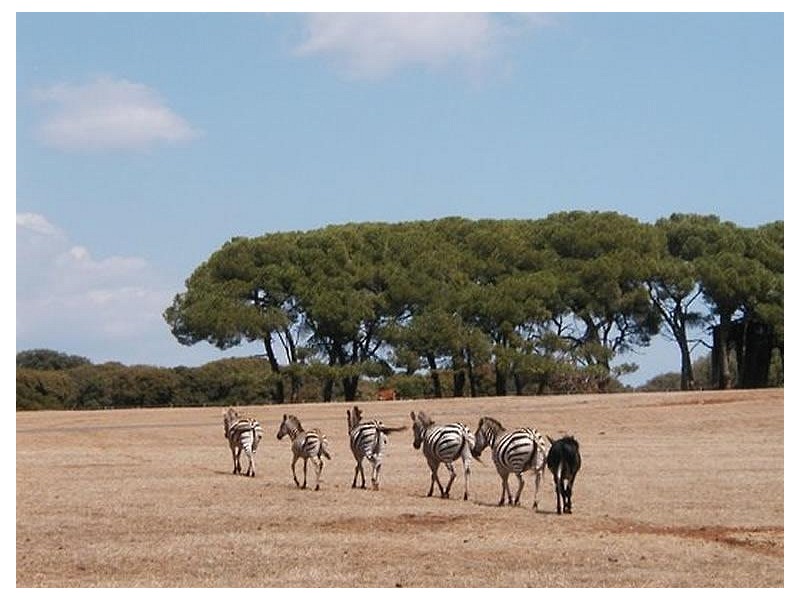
{"x":146,"y":140}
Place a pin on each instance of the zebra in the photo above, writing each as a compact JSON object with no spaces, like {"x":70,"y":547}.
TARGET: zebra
{"x":564,"y":462}
{"x":243,"y":435}
{"x":443,"y":444}
{"x":367,"y":439}
{"x":307,"y":445}
{"x":515,"y":452}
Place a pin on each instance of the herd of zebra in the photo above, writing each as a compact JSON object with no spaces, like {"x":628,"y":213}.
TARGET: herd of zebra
{"x":516,"y":451}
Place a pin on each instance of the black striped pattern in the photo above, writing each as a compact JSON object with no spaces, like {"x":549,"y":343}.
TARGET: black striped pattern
{"x":515,"y":452}
{"x":367,"y":441}
{"x":243,"y":435}
{"x":443,"y":444}
{"x":309,"y":445}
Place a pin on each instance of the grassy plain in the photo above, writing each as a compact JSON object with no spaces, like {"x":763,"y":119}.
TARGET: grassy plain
{"x":676,"y":490}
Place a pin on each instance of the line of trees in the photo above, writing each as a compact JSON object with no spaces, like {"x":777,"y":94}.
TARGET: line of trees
{"x":539,"y":304}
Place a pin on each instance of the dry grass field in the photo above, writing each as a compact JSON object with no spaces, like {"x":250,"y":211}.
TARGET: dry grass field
{"x":676,"y":490}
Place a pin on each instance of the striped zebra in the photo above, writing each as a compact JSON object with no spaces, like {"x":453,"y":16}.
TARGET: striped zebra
{"x":443,"y":444}
{"x":367,"y":439}
{"x":515,"y":452}
{"x":308,"y":445}
{"x":243,"y":435}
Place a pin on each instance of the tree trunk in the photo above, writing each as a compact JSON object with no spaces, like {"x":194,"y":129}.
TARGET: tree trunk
{"x":754,"y":354}
{"x":720,"y":354}
{"x":278,"y":393}
{"x":473,"y":383}
{"x":437,"y":384}
{"x":350,"y":385}
{"x":327,"y":389}
{"x":459,"y":383}
{"x":500,"y":381}
{"x":519,"y":384}
{"x":687,"y":371}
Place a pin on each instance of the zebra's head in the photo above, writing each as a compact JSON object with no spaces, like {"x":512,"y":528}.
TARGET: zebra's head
{"x":481,"y":439}
{"x":354,"y":418}
{"x":229,"y":417}
{"x":289,"y":426}
{"x":486,"y":434}
{"x":420,"y":422}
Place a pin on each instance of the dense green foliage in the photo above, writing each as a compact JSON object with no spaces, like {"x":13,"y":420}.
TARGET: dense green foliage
{"x":544,"y":305}
{"x":49,"y":360}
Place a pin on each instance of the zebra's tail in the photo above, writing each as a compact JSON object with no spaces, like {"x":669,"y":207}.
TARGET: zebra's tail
{"x":323,"y":447}
{"x":470,"y":439}
{"x":387,"y":430}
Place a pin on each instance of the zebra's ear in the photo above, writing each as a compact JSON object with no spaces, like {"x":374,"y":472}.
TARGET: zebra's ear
{"x":413,"y":418}
{"x":284,"y":416}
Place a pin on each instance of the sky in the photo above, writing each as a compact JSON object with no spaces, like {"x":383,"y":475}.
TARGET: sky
{"x":144,"y":141}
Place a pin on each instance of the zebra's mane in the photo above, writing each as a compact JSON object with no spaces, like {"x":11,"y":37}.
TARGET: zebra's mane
{"x":293,"y":422}
{"x":424,"y":419}
{"x":229,"y":417}
{"x":355,"y":419}
{"x":491,"y":424}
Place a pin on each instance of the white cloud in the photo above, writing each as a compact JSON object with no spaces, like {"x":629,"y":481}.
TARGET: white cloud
{"x":67,"y":298}
{"x":108,"y":114}
{"x":375,"y":44}
{"x":36,"y":224}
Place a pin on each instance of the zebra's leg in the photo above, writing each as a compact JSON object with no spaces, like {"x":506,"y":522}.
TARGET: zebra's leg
{"x":305,"y":472}
{"x":433,"y":478}
{"x":363,"y":477}
{"x":233,"y":457}
{"x":519,"y":489}
{"x":318,"y":464}
{"x":294,"y":474}
{"x":434,"y":466}
{"x":537,"y":478}
{"x":503,"y":489}
{"x":355,"y":473}
{"x":251,"y":471}
{"x":376,"y":474}
{"x":452,"y":470}
{"x":237,"y":461}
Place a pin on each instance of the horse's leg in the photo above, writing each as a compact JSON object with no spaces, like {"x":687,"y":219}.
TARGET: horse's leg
{"x":466,"y":461}
{"x":558,"y":493}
